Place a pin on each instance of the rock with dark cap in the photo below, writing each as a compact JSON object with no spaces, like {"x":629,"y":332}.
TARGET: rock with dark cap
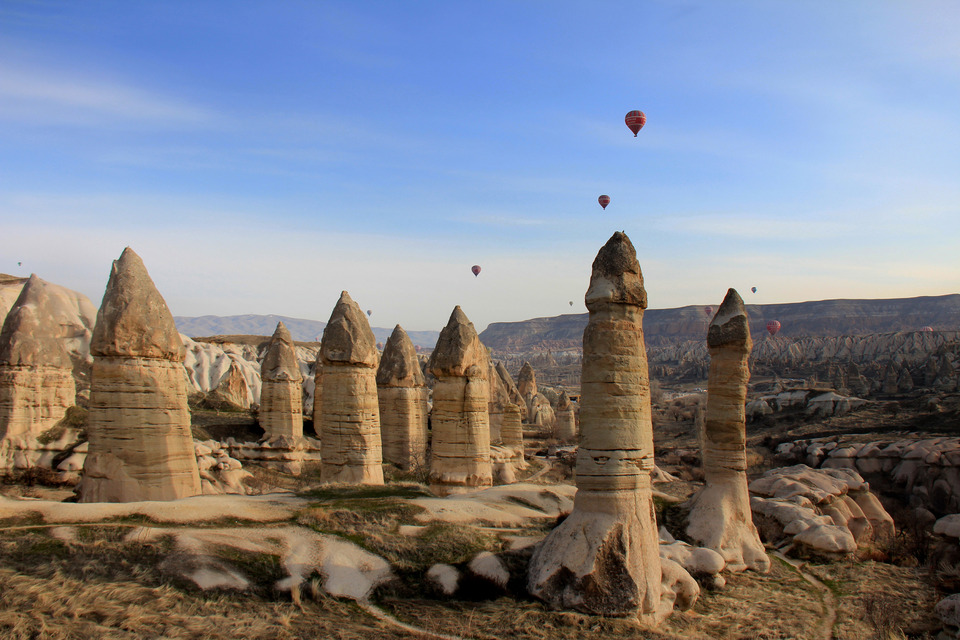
{"x":402,"y":393}
{"x":281,"y":402}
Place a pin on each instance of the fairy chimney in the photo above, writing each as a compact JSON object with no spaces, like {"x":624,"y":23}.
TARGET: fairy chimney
{"x":281,"y":399}
{"x":347,"y":396}
{"x":140,"y":444}
{"x":402,"y":393}
{"x":721,"y":518}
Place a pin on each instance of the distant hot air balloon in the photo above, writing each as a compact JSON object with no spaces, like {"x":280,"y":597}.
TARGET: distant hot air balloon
{"x":754,"y":289}
{"x":369,"y":313}
{"x":604,"y":201}
{"x":635,"y":121}
{"x":571,"y":303}
{"x":927,"y":329}
{"x":773,"y":326}
{"x":708,"y":311}
{"x":476,"y":270}
{"x":379,"y":346}
{"x":19,"y":264}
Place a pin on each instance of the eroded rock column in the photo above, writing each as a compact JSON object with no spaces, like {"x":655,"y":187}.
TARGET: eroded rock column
{"x":460,"y":446}
{"x":347,"y":398}
{"x":566,"y":419}
{"x":36,"y":373}
{"x":141,"y":447}
{"x":281,"y":401}
{"x":604,"y":558}
{"x":720,"y":517}
{"x":402,"y":391}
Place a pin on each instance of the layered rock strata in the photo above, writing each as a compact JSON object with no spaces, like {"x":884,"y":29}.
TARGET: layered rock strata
{"x":36,"y":372}
{"x":141,"y":447}
{"x":281,"y":403}
{"x":349,"y":413}
{"x":511,"y":387}
{"x":720,"y":516}
{"x":604,"y":558}
{"x":402,"y":393}
{"x":460,"y":443}
{"x":539,"y":410}
{"x":499,"y":399}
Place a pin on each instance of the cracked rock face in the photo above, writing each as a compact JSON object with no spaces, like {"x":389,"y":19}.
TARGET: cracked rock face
{"x":402,"y":394}
{"x":346,"y":398}
{"x":141,"y":447}
{"x":720,"y":517}
{"x":604,"y":558}
{"x":281,"y":401}
{"x":36,"y":373}
{"x":460,"y":446}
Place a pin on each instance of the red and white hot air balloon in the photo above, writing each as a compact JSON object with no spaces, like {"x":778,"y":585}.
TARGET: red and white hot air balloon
{"x":927,"y":329}
{"x":635,"y":120}
{"x":476,"y":270}
{"x":604,"y":201}
{"x":773,"y":326}
{"x":708,"y":311}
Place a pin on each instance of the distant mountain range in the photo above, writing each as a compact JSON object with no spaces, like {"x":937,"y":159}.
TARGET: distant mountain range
{"x":823,"y":318}
{"x":301,"y":329}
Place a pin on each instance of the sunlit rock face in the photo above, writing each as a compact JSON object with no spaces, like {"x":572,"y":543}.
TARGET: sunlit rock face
{"x":720,"y":517}
{"x":511,"y":387}
{"x":402,"y":393}
{"x":346,"y":398}
{"x":281,"y":404}
{"x":566,"y":419}
{"x":140,"y":447}
{"x":538,"y":408}
{"x":604,"y":558}
{"x":460,"y":445}
{"x":36,"y":373}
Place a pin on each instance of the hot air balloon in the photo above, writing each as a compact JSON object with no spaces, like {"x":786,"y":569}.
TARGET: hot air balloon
{"x":604,"y":201}
{"x":708,"y":311}
{"x":369,"y":313}
{"x":927,"y":329}
{"x":476,"y":270}
{"x":19,"y":264}
{"x":754,"y":289}
{"x":635,"y":121}
{"x":571,"y":303}
{"x":773,"y":326}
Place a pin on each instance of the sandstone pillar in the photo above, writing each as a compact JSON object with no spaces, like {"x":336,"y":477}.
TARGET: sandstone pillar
{"x":512,"y":392}
{"x":721,"y":518}
{"x":36,"y":373}
{"x":460,"y":451}
{"x":566,"y":420}
{"x":141,"y":447}
{"x":281,"y":400}
{"x":604,"y":558}
{"x":402,"y":392}
{"x":349,"y":412}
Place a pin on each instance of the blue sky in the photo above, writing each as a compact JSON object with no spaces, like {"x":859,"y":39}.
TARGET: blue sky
{"x":263,"y":156}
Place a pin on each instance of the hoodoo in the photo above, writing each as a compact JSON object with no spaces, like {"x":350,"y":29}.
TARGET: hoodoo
{"x":604,"y":558}
{"x":402,"y":392}
{"x":460,"y":445}
{"x":141,"y":447}
{"x":36,"y":373}
{"x":720,"y":517}
{"x":349,"y":412}
{"x":281,"y":401}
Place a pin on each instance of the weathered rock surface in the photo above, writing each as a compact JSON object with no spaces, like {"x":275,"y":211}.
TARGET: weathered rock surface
{"x":460,"y":444}
{"x":720,"y":516}
{"x":36,"y":372}
{"x":828,"y":512}
{"x":402,"y":393}
{"x":208,"y":366}
{"x":349,"y":412}
{"x":539,"y":409}
{"x":566,"y":419}
{"x":512,"y":392}
{"x":140,"y":446}
{"x":604,"y":558}
{"x":281,"y":404}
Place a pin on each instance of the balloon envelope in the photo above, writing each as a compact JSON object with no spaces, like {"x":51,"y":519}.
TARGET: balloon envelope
{"x":927,"y":329}
{"x":369,"y":313}
{"x":604,"y":201}
{"x":708,"y":310}
{"x":754,"y":289}
{"x":635,"y":120}
{"x":773,"y":326}
{"x":571,"y":303}
{"x":476,"y":269}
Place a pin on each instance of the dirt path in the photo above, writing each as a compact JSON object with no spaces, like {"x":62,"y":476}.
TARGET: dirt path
{"x":829,"y":602}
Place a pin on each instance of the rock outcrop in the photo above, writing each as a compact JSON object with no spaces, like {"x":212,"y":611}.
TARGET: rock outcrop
{"x":141,"y":447}
{"x":349,"y":413}
{"x":511,"y":387}
{"x":36,"y":372}
{"x":460,"y":444}
{"x":539,"y":409}
{"x":604,"y":558}
{"x":720,"y":516}
{"x":566,"y":419}
{"x":281,"y":404}
{"x":402,"y":393}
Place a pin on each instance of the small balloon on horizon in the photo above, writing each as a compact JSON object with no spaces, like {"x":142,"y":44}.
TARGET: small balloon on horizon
{"x":475,"y":269}
{"x":604,"y":201}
